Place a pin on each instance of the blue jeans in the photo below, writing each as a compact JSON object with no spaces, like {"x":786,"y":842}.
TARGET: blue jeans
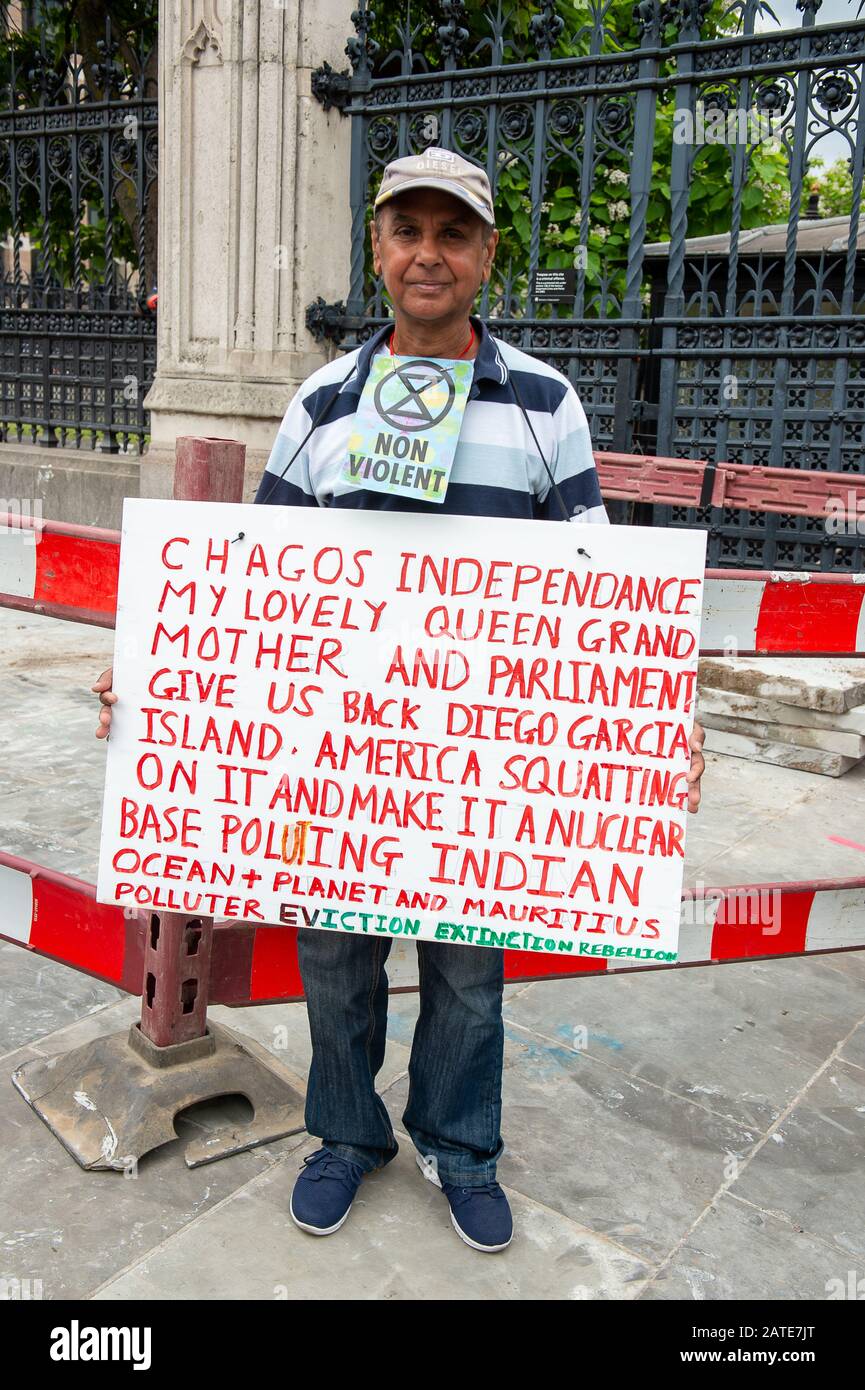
{"x":454,"y":1104}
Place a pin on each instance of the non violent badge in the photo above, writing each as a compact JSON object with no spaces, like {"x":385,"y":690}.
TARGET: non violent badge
{"x":407,"y":426}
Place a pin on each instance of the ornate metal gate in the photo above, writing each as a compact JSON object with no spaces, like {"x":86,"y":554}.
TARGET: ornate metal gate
{"x":755,"y":359}
{"x":78,"y":206}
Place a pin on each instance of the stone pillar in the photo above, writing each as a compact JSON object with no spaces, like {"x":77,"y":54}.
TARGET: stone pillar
{"x":254,"y":218}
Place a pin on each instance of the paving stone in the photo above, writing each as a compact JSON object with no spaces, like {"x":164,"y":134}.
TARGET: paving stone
{"x":40,"y":995}
{"x":774,"y":856}
{"x":111,"y":1018}
{"x":823,"y":683}
{"x":811,"y":1168}
{"x":763,"y":750}
{"x":849,"y":744}
{"x":608,"y":1151}
{"x":397,"y":1244}
{"x":733,"y":702}
{"x":848,"y":962}
{"x":72,"y":1229}
{"x":740,"y":1041}
{"x":740,"y":1254}
{"x":853,"y":1050}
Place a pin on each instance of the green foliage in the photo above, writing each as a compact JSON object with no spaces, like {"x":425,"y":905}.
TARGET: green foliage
{"x":593,"y":222}
{"x":40,"y":56}
{"x":834,"y":185}
{"x":63,"y":24}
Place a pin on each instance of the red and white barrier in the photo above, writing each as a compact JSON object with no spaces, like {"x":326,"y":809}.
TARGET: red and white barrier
{"x":748,"y":612}
{"x":71,"y":572}
{"x":58,"y":570}
{"x":745,"y":922}
{"x":697,"y":483}
{"x":772,"y":919}
{"x":57,"y":916}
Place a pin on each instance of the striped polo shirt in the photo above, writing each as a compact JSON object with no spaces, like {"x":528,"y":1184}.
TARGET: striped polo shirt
{"x":497,"y":469}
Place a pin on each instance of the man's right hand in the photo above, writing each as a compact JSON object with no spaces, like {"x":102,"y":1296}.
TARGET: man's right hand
{"x":107,"y":698}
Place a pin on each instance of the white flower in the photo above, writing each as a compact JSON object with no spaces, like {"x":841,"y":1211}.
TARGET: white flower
{"x":545,"y":207}
{"x":618,"y":176}
{"x":618,"y":210}
{"x":601,"y":233}
{"x":577,"y":218}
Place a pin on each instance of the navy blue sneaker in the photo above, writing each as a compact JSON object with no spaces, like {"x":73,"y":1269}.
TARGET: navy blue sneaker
{"x":481,"y":1215}
{"x":323,"y":1192}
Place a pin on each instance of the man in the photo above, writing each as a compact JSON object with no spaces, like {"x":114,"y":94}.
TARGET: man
{"x":524,"y":451}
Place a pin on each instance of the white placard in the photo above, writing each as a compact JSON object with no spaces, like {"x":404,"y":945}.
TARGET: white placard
{"x":440,"y":727}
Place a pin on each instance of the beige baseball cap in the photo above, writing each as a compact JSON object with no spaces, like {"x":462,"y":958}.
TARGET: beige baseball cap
{"x":437,"y":168}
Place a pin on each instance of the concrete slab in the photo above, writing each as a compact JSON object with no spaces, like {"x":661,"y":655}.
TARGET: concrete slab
{"x":823,"y":683}
{"x":760,"y":823}
{"x":739,"y":1042}
{"x":853,"y":1050}
{"x":742,"y":1254}
{"x":844,"y":741}
{"x":601,"y":1147}
{"x":397,"y":1244}
{"x":74,"y":1230}
{"x":810,"y":1169}
{"x":760,"y":750}
{"x":849,"y":963}
{"x":772,"y":855}
{"x":41,"y":996}
{"x":775,"y":711}
{"x":111,"y":1018}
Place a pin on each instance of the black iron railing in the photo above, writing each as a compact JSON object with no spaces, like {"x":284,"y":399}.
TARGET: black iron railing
{"x":78,"y":154}
{"x":749,"y":357}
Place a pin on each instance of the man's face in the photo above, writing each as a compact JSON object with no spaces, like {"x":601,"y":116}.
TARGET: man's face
{"x":431,"y":254}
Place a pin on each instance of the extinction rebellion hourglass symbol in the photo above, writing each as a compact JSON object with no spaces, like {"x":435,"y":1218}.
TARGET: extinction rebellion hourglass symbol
{"x":407,"y":425}
{"x":409,"y":398}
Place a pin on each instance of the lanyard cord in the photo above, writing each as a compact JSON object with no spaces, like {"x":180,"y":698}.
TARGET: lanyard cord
{"x":278,"y":477}
{"x":559,"y":498}
{"x":325,"y":410}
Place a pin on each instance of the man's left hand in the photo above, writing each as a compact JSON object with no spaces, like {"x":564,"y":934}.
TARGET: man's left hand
{"x":698,"y":763}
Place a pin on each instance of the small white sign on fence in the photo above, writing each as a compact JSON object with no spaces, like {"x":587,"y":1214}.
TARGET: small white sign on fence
{"x":426,"y":726}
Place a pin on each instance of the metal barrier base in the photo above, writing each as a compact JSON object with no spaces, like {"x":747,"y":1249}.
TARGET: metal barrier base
{"x":116,"y":1098}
